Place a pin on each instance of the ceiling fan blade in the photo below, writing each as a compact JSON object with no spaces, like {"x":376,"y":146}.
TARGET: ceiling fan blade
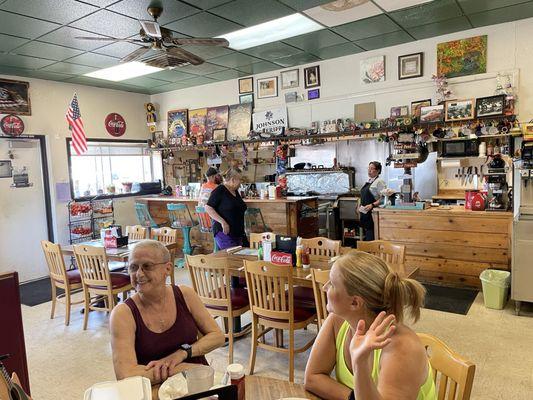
{"x":185,"y":55}
{"x":135,"y":55}
{"x":201,"y":41}
{"x":103,"y":39}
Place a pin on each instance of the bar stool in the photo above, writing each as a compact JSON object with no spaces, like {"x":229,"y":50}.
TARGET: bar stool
{"x":180,"y":218}
{"x":205,"y":224}
{"x":144,"y":217}
{"x":254,"y":221}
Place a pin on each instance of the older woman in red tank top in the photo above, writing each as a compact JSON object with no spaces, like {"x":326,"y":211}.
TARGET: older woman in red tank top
{"x":155,"y":332}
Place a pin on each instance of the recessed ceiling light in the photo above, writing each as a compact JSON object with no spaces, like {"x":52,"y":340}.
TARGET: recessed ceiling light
{"x":392,"y":5}
{"x":124,"y":71}
{"x":271,"y":31}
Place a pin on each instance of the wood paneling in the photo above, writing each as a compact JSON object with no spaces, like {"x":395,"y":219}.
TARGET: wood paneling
{"x":447,"y":223}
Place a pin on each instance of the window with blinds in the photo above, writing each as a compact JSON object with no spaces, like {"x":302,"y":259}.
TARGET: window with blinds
{"x":112,"y":168}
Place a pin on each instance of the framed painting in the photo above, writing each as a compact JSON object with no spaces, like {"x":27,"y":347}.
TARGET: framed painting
{"x":246,"y":98}
{"x":462,"y":57}
{"x":14,"y":97}
{"x":177,"y":121}
{"x":411,"y":66}
{"x":459,"y":110}
{"x":399,"y":111}
{"x":372,"y":70}
{"x":432,"y":113}
{"x":219,"y":135}
{"x":290,"y":79}
{"x":313,"y":94}
{"x":312,"y":76}
{"x":246,"y":85}
{"x":197,"y":122}
{"x":240,"y":121}
{"x":490,"y":106}
{"x":416,"y":106}
{"x":267,"y":87}
{"x":217,"y":118}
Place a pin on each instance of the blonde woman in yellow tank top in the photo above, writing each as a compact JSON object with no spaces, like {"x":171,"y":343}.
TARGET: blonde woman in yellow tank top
{"x":374,"y":355}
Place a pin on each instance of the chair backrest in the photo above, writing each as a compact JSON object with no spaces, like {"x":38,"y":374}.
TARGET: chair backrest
{"x":319,"y":278}
{"x":164,"y":235}
{"x":345,"y":250}
{"x":322,"y":247}
{"x":267,"y":284}
{"x":211,"y":279}
{"x":143,"y":215}
{"x":54,"y":261}
{"x":92,"y":263}
{"x":392,"y":254}
{"x":453,"y":374}
{"x":256,"y":238}
{"x":179,"y":215}
{"x":136,"y":232}
{"x":254,"y":221}
{"x":206,"y":225}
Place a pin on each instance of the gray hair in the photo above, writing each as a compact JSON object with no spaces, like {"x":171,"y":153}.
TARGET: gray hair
{"x":231,"y":173}
{"x":158,"y":247}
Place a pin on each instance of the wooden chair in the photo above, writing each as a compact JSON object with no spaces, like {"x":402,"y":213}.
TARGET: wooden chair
{"x":98,"y":283}
{"x":166,"y":235}
{"x":270,"y":289}
{"x":211,"y":280}
{"x":256,"y":238}
{"x":319,"y":278}
{"x":392,"y":254}
{"x":456,"y":373}
{"x":136,"y":232}
{"x":345,"y":250}
{"x":69,"y":281}
{"x":321,"y":247}
{"x":205,"y":224}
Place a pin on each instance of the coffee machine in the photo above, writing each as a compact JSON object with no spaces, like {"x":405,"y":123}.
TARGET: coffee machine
{"x":497,"y":194}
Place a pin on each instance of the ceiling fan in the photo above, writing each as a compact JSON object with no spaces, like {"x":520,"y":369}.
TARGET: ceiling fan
{"x":162,"y":50}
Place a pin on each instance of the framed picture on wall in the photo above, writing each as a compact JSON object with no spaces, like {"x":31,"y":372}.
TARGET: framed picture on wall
{"x":246,"y":85}
{"x":246,"y":98}
{"x":267,"y":87}
{"x":411,"y":66}
{"x":313,"y":94}
{"x":416,"y":106}
{"x":432,"y":113}
{"x":219,"y":135}
{"x":14,"y":97}
{"x":177,"y":121}
{"x":312,"y":76}
{"x":490,"y":106}
{"x":290,"y":79}
{"x":459,"y":110}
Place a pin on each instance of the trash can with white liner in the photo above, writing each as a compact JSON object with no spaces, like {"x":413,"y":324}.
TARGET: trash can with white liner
{"x":495,"y":287}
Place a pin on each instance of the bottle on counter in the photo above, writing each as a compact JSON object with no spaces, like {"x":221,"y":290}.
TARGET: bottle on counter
{"x":299,"y":253}
{"x":236,"y":374}
{"x":260,"y":252}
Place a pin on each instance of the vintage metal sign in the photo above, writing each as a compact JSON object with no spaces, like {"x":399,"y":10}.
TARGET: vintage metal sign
{"x":115,"y":125}
{"x":12,"y":125}
{"x":273,"y":120}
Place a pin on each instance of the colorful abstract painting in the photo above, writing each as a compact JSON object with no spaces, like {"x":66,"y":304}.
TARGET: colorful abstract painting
{"x":462,"y":57}
{"x":217,"y":118}
{"x":372,"y":69}
{"x":177,"y":123}
{"x":197,"y":122}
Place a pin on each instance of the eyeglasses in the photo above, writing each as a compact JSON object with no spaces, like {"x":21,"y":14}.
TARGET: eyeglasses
{"x":148,"y":267}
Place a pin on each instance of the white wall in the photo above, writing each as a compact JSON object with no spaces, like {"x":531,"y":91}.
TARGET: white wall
{"x":49,"y":103}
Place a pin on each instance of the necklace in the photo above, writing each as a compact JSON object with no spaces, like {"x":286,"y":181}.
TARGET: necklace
{"x":158,"y":313}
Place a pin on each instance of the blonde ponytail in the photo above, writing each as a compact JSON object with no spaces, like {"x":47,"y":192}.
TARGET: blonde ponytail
{"x":399,"y":293}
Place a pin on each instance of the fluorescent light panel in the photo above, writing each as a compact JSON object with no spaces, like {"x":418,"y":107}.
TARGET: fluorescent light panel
{"x":124,"y":71}
{"x":271,"y":31}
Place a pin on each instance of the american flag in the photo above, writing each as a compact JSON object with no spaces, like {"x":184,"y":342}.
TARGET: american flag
{"x":75,"y":124}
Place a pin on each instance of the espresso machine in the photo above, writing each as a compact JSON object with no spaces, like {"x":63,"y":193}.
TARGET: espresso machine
{"x":497,"y":194}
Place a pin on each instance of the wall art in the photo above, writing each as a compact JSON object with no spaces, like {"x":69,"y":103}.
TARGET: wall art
{"x":217,"y":118}
{"x":267,"y":87}
{"x":462,"y":57}
{"x":416,"y":106}
{"x":411,"y":66}
{"x":432,"y":113}
{"x":246,"y":85}
{"x":313,"y":94}
{"x":177,"y":121}
{"x":240,"y":120}
{"x":14,"y":97}
{"x":490,"y":106}
{"x":290,"y":79}
{"x":312,"y":76}
{"x":372,"y":69}
{"x":459,"y":110}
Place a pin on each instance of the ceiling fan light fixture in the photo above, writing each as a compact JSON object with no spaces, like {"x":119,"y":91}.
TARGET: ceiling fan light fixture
{"x":151,"y":28}
{"x":271,"y":31}
{"x":124,"y":71}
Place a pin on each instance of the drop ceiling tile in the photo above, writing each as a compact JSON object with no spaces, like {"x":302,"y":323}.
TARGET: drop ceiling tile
{"x":258,"y":68}
{"x":59,"y":11}
{"x":297,"y":59}
{"x":13,"y":60}
{"x":338,"y":50}
{"x":117,"y":49}
{"x":300,"y":5}
{"x":365,"y":28}
{"x":199,"y":80}
{"x":440,"y":28}
{"x":202,"y":69}
{"x":66,"y":68}
{"x":512,"y":13}
{"x":208,"y":52}
{"x":66,"y":36}
{"x":427,"y":13}
{"x":316,"y":40}
{"x":477,"y":6}
{"x":85,"y":80}
{"x":17,"y":25}
{"x":15,"y":71}
{"x":144,"y":81}
{"x":272,"y":50}
{"x":108,"y":23}
{"x":172,"y":10}
{"x":207,"y":4}
{"x":53,"y":76}
{"x":203,"y":25}
{"x":171,"y":75}
{"x":8,"y":43}
{"x":392,"y":5}
{"x":46,"y":50}
{"x":94,"y":60}
{"x":336,"y":16}
{"x":168,"y":88}
{"x":386,"y":40}
{"x":99,"y":3}
{"x":234,"y":60}
{"x":252,"y":12}
{"x":227,"y":74}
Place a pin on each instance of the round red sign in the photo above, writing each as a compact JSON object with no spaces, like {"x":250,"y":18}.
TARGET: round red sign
{"x":115,"y":124}
{"x":12,"y":125}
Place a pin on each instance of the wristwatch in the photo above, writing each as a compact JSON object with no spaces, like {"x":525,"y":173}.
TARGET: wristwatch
{"x":188,"y":349}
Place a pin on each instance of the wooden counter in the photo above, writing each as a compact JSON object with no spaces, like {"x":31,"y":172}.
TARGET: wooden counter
{"x":451,"y":245}
{"x":281,"y":215}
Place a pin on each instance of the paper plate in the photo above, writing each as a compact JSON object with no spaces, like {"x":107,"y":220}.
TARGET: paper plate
{"x":176,"y":386}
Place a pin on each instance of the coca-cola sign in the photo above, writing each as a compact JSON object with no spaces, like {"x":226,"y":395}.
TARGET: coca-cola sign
{"x":115,"y":125}
{"x":12,"y":125}
{"x":281,"y":258}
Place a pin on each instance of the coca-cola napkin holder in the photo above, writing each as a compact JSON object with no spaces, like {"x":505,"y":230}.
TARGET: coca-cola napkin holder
{"x":281,"y":258}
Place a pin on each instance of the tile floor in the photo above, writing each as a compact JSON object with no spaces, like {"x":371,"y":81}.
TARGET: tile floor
{"x":64,"y":361}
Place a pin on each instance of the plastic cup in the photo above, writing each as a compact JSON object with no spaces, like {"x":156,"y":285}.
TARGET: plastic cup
{"x":199,"y":379}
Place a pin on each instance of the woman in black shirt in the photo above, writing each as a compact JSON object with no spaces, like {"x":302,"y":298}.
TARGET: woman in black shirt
{"x":226,"y":207}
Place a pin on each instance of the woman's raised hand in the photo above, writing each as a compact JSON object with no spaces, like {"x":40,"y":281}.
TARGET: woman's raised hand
{"x":376,"y":337}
